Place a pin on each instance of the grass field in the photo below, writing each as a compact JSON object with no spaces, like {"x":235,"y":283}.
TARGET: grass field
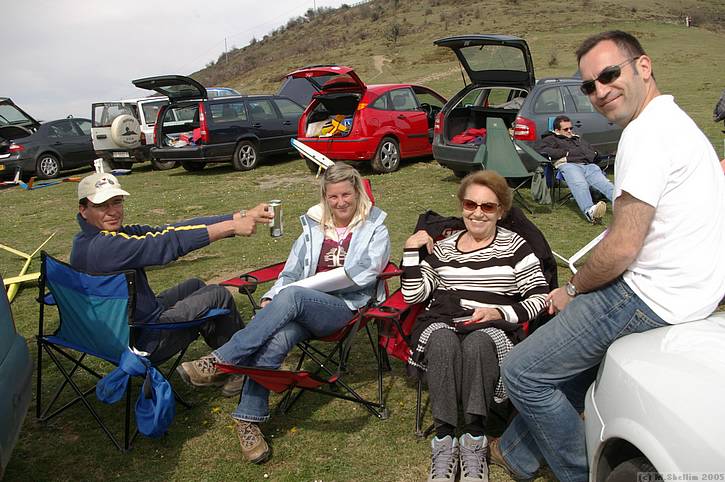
{"x":322,"y":439}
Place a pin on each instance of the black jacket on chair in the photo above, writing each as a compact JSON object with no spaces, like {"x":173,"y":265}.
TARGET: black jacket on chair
{"x":574,"y":148}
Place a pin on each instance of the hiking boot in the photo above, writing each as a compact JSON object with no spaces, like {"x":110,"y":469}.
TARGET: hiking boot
{"x":254,"y":448}
{"x":496,"y":458}
{"x":233,"y":386}
{"x":596,"y":212}
{"x":444,"y":459}
{"x":202,"y":372}
{"x":472,"y":452}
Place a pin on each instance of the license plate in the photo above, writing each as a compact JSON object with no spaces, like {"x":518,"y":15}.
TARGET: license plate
{"x":120,"y":154}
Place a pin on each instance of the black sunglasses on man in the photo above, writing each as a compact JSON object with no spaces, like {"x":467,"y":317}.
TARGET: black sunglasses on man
{"x":605,"y":77}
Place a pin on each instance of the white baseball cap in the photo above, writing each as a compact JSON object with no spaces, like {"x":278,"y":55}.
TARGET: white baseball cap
{"x":100,"y":187}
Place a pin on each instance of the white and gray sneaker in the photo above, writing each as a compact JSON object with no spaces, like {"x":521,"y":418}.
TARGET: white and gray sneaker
{"x":596,"y":212}
{"x":473,"y":452}
{"x":444,"y":459}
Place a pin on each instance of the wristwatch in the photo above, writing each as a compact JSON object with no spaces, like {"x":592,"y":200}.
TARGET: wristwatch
{"x":571,"y":289}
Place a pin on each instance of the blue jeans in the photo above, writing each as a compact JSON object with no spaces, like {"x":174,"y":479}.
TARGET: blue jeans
{"x":580,"y":177}
{"x":295,"y":314}
{"x":547,"y":376}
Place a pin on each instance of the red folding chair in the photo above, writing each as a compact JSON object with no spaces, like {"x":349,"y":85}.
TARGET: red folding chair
{"x":329,"y":365}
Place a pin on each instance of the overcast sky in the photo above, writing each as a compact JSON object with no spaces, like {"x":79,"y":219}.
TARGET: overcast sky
{"x":59,"y":56}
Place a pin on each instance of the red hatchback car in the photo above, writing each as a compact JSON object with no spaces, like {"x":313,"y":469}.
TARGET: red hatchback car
{"x":348,"y":120}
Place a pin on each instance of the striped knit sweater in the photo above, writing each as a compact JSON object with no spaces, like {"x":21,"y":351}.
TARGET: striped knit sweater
{"x":505,"y":275}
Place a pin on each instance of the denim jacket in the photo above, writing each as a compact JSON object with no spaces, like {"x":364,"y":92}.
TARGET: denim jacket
{"x":367,"y":256}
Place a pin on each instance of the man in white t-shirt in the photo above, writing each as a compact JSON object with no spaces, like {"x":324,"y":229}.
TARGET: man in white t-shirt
{"x":662,"y":261}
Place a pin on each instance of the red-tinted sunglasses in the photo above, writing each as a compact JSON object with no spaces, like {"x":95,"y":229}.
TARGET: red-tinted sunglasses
{"x":469,"y":205}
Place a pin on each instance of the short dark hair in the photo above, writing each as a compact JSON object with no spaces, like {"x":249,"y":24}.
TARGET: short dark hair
{"x":492,"y":180}
{"x":83,"y":202}
{"x":559,"y":119}
{"x":626,"y":42}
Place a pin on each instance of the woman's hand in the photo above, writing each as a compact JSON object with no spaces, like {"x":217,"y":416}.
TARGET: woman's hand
{"x":485,"y":314}
{"x":421,"y":238}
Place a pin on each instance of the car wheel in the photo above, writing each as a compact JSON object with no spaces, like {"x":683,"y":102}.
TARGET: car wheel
{"x":629,"y":470}
{"x":163,"y":165}
{"x":121,"y":165}
{"x":193,"y":166}
{"x":246,"y":156}
{"x":387,"y":157}
{"x":460,"y":174}
{"x":47,"y":166}
{"x":126,"y":132}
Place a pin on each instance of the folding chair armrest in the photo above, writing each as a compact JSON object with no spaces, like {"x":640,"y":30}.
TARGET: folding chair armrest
{"x":213,"y":313}
{"x":390,"y":274}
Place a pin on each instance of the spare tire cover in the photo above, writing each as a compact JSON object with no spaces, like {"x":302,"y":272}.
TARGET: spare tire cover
{"x":126,"y":132}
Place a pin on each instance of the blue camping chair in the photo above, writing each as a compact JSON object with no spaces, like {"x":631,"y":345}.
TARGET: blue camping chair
{"x":96,"y":314}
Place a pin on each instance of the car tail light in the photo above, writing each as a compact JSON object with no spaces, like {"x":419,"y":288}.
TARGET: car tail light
{"x":16,"y":148}
{"x":203,"y":128}
{"x":438,"y":124}
{"x":524,"y":129}
{"x":143,"y":138}
{"x":361,"y":106}
{"x":157,"y":126}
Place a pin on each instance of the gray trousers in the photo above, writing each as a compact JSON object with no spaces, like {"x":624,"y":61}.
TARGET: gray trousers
{"x":462,"y":374}
{"x":190,"y":300}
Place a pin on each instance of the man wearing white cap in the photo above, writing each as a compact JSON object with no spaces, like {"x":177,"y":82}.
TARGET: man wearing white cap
{"x":105,"y":244}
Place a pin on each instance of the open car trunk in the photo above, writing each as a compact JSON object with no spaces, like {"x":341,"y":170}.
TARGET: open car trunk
{"x":179,"y":126}
{"x":333,"y":115}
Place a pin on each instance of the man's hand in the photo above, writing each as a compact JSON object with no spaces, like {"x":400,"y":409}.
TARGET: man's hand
{"x":247,"y":225}
{"x":557,"y":300}
{"x":485,"y":314}
{"x":421,"y":238}
{"x":264,"y":302}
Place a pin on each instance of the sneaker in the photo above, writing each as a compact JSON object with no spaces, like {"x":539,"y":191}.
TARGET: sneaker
{"x":233,"y":385}
{"x":596,"y":212}
{"x":473,"y":452}
{"x":202,"y":372}
{"x":254,"y":448}
{"x":496,"y":458}
{"x":444,"y":459}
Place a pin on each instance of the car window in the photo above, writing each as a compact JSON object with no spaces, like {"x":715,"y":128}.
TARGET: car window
{"x":9,"y":115}
{"x":180,"y":115}
{"x":382,"y":103}
{"x":471,"y":98}
{"x":103,"y":114}
{"x":84,"y":125}
{"x":61,"y":129}
{"x":494,"y":57}
{"x":228,"y":112}
{"x":581,"y":102}
{"x":549,"y":102}
{"x":403,"y":99}
{"x":261,"y":109}
{"x":425,"y":97}
{"x":151,"y":111}
{"x":288,"y":108}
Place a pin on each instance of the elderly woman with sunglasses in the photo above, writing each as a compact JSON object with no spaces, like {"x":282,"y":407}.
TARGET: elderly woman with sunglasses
{"x":481,"y":284}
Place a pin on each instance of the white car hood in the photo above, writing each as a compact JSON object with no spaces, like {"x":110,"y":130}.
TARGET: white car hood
{"x":664,"y":391}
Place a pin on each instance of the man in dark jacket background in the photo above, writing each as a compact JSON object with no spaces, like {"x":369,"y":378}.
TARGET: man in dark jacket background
{"x":105,"y":245}
{"x":574,"y":158}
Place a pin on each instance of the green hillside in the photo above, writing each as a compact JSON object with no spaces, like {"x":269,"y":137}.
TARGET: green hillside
{"x":392,"y":41}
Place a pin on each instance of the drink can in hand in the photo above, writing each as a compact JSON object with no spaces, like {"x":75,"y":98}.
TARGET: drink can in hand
{"x":275,"y":225}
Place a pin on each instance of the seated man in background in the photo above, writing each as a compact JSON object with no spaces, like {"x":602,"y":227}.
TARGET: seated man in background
{"x":574,"y":157}
{"x":105,"y":245}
